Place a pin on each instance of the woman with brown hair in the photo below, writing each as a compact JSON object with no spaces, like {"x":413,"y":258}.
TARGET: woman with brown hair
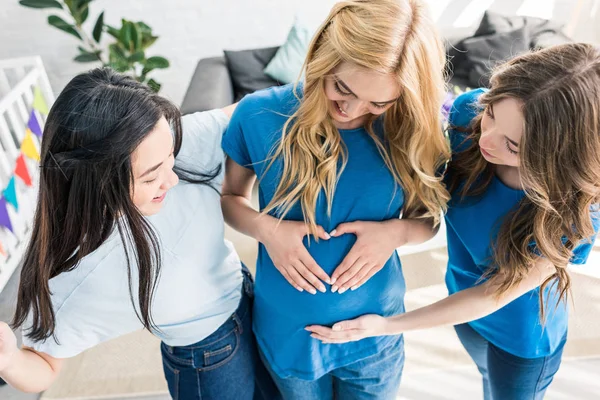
{"x":525,"y":185}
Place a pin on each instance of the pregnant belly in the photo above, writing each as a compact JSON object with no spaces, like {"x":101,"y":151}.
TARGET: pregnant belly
{"x":278,"y":301}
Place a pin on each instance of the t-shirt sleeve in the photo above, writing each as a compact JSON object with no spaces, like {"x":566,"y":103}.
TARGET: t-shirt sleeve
{"x":583,"y":250}
{"x":80,"y":331}
{"x":89,"y":309}
{"x":201,"y":141}
{"x":462,"y":112}
{"x":235,"y":143}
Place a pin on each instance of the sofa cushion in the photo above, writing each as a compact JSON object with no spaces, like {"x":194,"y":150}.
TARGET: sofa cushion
{"x":285,"y":67}
{"x":499,"y":38}
{"x":246,"y":70}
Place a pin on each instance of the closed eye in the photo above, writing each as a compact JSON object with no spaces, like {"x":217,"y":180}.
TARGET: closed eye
{"x":338,"y":89}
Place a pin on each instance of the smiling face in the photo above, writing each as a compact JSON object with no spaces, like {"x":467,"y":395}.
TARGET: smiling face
{"x":152,"y":165}
{"x":354,"y":93}
{"x":501,"y":131}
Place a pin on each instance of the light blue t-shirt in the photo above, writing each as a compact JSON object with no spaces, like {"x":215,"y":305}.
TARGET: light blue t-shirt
{"x":201,"y":279}
{"x":471,"y":225}
{"x":366,"y":191}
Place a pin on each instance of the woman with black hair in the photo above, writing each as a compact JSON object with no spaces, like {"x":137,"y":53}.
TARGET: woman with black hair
{"x":118,"y":244}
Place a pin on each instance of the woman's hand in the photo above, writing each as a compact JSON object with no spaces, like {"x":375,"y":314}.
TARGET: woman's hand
{"x":375,"y":244}
{"x":284,"y":245}
{"x":351,"y":330}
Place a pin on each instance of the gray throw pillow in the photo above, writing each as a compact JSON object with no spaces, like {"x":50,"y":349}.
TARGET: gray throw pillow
{"x":246,"y":70}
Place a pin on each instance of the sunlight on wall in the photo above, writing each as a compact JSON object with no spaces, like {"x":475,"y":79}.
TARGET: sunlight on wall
{"x":437,"y":7}
{"x":472,"y":12}
{"x":537,"y":8}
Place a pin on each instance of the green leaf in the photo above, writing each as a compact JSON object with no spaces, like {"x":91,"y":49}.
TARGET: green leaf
{"x":84,"y":13}
{"x":86,"y":57}
{"x":114,"y":32}
{"x":97,"y":33}
{"x":61,"y":24}
{"x":138,"y":56}
{"x":157,"y":62}
{"x":148,"y":41}
{"x":125,"y":35}
{"x":40,"y":3}
{"x":135,"y":38}
{"x":117,"y":58}
{"x":145,"y":29}
{"x":155,"y":86}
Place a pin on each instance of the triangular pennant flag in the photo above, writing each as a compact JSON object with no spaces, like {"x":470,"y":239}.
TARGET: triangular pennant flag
{"x":22,"y":172}
{"x":38,"y":101}
{"x":2,"y":251}
{"x":4,"y":218}
{"x":28,"y":147}
{"x":10,"y":193}
{"x":34,"y":125}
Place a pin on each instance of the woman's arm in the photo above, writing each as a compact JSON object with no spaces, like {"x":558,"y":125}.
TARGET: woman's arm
{"x":25,"y":369}
{"x":464,"y":306}
{"x":282,"y":239}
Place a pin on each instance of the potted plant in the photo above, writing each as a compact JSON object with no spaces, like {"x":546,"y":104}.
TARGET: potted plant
{"x":127,"y":53}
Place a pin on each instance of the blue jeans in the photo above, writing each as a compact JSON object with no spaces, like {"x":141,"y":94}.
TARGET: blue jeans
{"x":223,"y":366}
{"x":375,"y":378}
{"x":506,"y":376}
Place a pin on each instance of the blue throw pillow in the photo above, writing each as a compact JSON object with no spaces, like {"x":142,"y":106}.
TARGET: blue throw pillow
{"x":285,"y":67}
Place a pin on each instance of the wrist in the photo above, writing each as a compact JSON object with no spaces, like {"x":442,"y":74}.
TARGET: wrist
{"x":398,"y":231}
{"x":392,"y":325}
{"x":265,"y":228}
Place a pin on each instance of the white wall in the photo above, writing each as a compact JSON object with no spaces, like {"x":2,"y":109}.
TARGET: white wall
{"x":193,"y":29}
{"x":188,"y":30}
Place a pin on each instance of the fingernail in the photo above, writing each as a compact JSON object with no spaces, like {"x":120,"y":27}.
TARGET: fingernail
{"x":312,"y":336}
{"x":332,"y":233}
{"x":306,"y":328}
{"x":313,"y":291}
{"x":337,"y":328}
{"x":333,"y":280}
{"x":334,"y":289}
{"x":322,"y":289}
{"x":354,"y":288}
{"x":342,"y":290}
{"x":299,"y":289}
{"x":327,"y":236}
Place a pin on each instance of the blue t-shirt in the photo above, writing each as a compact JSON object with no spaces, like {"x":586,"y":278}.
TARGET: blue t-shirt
{"x":366,"y":191}
{"x":471,"y":225}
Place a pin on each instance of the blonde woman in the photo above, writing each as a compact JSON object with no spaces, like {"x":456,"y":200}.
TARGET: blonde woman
{"x":525,"y":185}
{"x":338,"y":158}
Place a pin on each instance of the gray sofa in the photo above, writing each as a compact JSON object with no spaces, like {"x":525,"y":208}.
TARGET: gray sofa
{"x":210,"y":87}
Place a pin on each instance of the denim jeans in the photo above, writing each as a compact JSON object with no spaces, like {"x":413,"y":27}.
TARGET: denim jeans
{"x":375,"y":378}
{"x":506,"y":376}
{"x":223,"y":366}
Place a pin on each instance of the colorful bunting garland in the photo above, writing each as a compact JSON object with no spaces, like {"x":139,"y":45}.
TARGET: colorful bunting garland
{"x":10,"y":194}
{"x":29,"y":149}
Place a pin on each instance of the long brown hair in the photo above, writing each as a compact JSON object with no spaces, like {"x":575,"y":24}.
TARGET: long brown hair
{"x":392,"y":37}
{"x":559,"y":154}
{"x":86,"y":179}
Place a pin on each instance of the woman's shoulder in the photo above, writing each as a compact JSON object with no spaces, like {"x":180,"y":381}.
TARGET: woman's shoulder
{"x":271,"y":102}
{"x":465,"y":108}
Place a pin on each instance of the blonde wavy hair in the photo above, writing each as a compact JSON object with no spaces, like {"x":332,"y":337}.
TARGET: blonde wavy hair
{"x":390,"y":37}
{"x":559,"y":154}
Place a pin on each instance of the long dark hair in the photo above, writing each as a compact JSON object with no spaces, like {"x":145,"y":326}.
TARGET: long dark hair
{"x":559,"y":88}
{"x":86,"y":177}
